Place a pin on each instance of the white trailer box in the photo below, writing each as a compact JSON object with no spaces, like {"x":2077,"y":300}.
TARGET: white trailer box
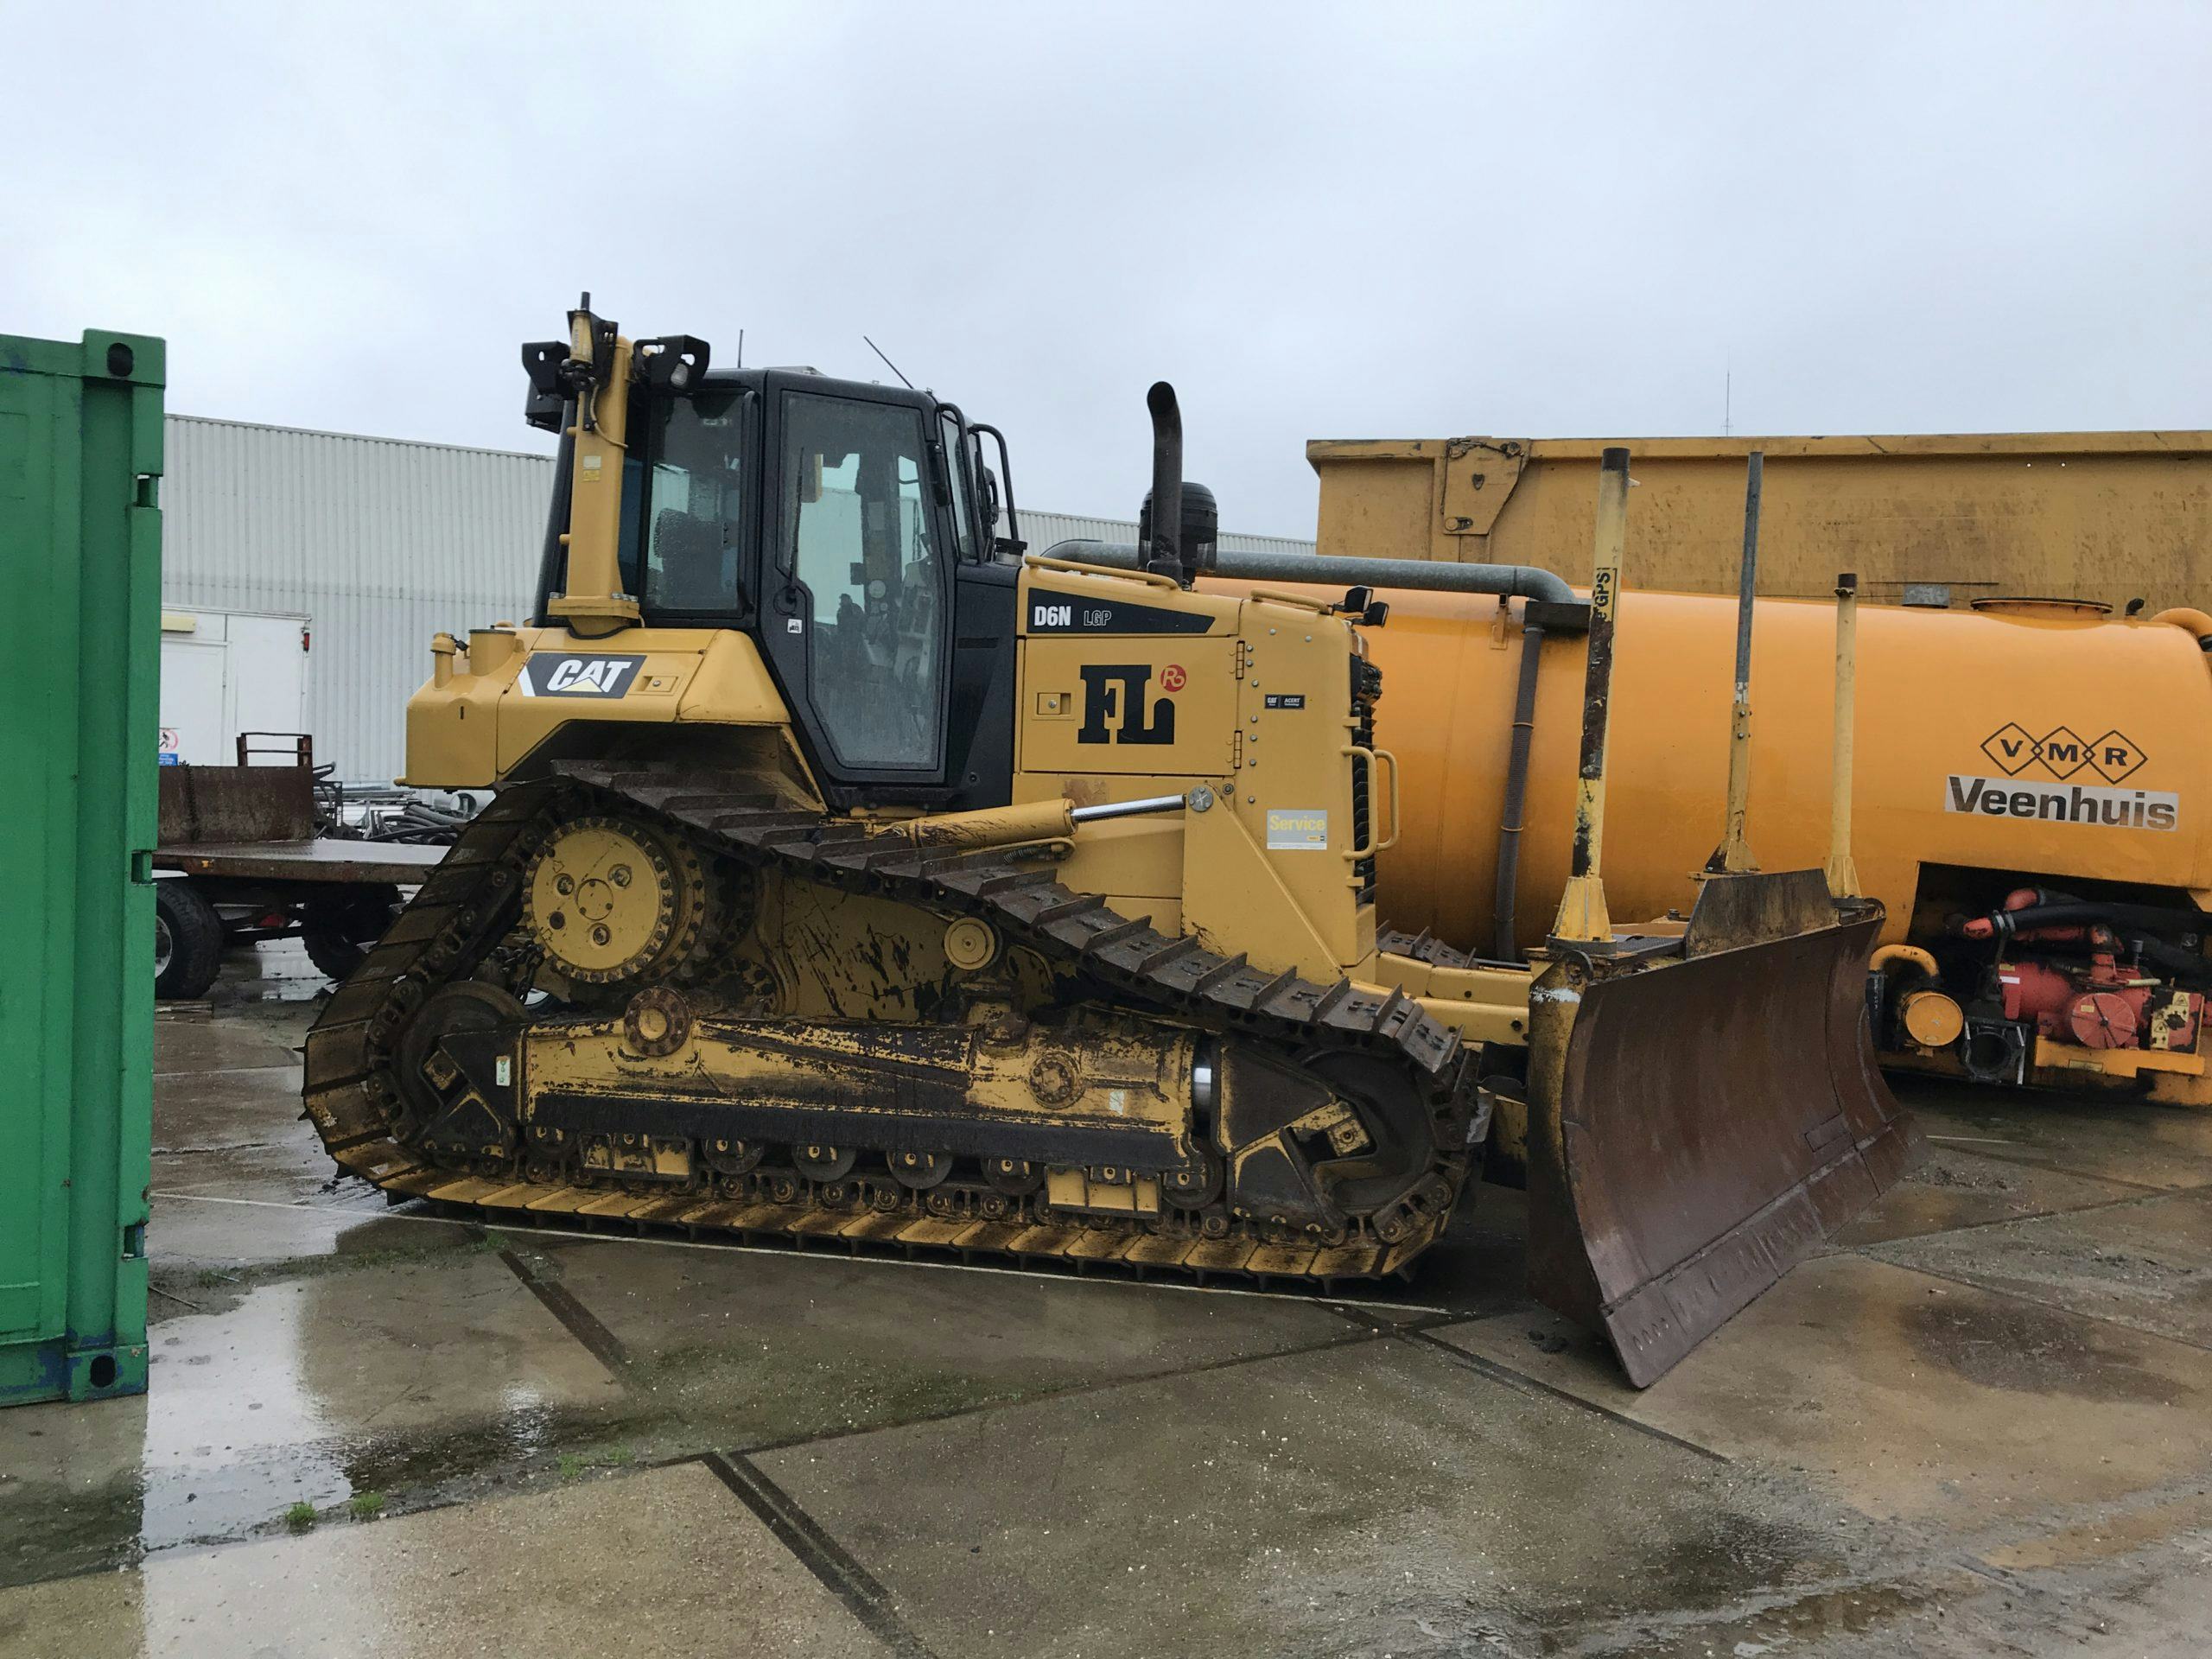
{"x":224,"y":672}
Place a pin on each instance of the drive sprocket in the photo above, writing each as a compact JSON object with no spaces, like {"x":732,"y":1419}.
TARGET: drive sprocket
{"x":612,"y":899}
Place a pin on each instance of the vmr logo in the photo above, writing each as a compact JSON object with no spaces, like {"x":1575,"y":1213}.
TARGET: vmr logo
{"x":1114,"y":710}
{"x":578,"y":677}
{"x":2062,"y":752}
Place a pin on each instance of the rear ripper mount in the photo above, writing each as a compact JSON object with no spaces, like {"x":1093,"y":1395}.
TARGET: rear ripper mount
{"x":1173,"y":1109}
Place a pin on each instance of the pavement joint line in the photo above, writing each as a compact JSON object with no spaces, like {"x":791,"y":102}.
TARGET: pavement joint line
{"x":1995,"y":1576}
{"x":2046,"y":1165}
{"x":524,"y":1229}
{"x":1071,"y":1391}
{"x":225,"y":1146}
{"x":579,"y":1321}
{"x":2100,"y":1206}
{"x":611,"y":1352}
{"x":301,"y":1204}
{"x":1522,"y":1383}
{"x":1427,"y":1321}
{"x":2039,"y":1302}
{"x":226,"y":1070}
{"x":787,"y":1521}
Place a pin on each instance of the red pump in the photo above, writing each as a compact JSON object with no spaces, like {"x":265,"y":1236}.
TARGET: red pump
{"x":2099,"y":1002}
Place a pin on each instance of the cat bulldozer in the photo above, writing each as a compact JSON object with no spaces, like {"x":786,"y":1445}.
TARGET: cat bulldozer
{"x":852,"y":878}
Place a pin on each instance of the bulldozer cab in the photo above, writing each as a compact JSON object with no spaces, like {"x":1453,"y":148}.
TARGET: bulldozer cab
{"x":847,"y":528}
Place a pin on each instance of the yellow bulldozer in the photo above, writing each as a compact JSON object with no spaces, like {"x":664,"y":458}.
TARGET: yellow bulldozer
{"x":853,"y":877}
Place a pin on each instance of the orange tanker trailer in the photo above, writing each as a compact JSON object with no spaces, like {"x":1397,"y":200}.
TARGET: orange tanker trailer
{"x":2033,"y":804}
{"x":2032,"y":801}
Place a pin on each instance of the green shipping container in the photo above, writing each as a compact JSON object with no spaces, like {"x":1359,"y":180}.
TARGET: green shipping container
{"x":81,"y":554}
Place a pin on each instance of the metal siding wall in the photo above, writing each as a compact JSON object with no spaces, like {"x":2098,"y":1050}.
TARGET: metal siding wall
{"x":381,"y":543}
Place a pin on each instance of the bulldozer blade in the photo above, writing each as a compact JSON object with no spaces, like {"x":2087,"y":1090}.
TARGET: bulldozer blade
{"x":1704,"y":1113}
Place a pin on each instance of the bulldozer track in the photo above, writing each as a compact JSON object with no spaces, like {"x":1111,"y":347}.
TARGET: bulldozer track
{"x":468,"y":905}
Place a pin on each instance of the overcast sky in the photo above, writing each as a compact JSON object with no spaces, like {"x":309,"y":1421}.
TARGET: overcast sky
{"x":1350,"y":221}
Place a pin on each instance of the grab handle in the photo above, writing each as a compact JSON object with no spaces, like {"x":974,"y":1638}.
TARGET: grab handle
{"x":1377,"y":759}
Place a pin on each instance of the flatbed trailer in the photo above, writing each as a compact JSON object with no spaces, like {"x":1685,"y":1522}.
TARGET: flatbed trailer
{"x":320,"y":860}
{"x":237,"y":862}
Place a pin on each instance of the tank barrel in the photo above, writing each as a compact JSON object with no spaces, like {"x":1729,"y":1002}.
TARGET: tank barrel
{"x":1734,"y":854}
{"x":1582,"y":913}
{"x":1842,"y":873}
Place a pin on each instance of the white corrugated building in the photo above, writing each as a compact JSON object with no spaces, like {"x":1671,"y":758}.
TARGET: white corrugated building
{"x":380,"y":543}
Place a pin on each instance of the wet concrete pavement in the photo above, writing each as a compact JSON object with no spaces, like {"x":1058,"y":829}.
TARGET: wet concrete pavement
{"x":1983,"y":1425}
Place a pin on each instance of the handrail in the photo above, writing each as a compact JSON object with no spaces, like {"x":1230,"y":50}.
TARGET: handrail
{"x":1151,"y":578}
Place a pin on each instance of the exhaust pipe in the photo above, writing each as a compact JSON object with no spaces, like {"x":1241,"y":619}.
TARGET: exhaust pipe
{"x":1164,"y":548}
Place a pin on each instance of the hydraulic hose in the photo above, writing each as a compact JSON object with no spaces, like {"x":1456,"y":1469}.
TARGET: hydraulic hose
{"x":2077,"y":913}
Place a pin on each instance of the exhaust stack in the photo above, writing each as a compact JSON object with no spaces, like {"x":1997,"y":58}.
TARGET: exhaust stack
{"x":1164,"y":546}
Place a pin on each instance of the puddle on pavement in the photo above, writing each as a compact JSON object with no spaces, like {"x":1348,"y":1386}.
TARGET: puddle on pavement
{"x":2027,"y":1349}
{"x":1803,"y":1623}
{"x":253,"y":1409}
{"x":208,"y":1255}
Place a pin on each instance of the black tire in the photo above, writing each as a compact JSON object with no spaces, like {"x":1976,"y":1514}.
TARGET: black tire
{"x":338,"y":928}
{"x":189,"y":934}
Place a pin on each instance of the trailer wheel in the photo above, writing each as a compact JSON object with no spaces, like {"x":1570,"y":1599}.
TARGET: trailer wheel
{"x":339,"y":928}
{"x":187,"y":942}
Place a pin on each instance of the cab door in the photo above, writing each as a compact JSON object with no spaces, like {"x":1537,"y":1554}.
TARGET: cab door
{"x":857,"y":567}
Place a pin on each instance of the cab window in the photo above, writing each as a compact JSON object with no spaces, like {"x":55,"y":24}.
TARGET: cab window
{"x":691,"y":506}
{"x":862,"y":533}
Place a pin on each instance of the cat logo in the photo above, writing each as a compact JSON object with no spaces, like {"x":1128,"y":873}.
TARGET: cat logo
{"x":578,"y":677}
{"x":1114,"y":692}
